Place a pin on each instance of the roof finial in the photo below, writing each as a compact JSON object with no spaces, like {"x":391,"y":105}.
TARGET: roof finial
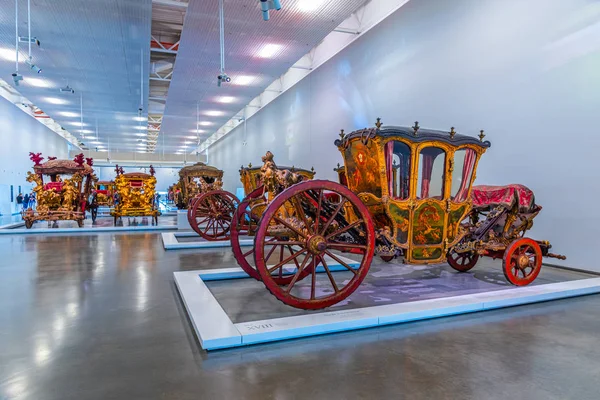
{"x":312,"y":169}
{"x":342,"y":135}
{"x":249,"y":165}
{"x":481,"y":135}
{"x":378,"y":123}
{"x":452,"y":132}
{"x":416,"y":128}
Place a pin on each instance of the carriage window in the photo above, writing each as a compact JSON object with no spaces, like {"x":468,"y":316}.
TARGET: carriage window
{"x":397,"y":163}
{"x":464,"y":161}
{"x":432,"y":167}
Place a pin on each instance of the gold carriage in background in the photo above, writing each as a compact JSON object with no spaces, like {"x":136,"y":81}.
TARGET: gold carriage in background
{"x":195,"y":180}
{"x":64,"y":197}
{"x":135,"y":195}
{"x":105,"y":191}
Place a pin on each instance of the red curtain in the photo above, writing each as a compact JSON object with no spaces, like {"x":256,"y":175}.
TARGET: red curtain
{"x":468,"y":164}
{"x":389,"y":161}
{"x":426,"y":174}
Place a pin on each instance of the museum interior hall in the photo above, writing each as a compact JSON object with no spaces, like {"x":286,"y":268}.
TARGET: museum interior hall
{"x":299,"y":199}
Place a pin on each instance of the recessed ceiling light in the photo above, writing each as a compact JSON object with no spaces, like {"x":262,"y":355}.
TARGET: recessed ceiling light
{"x":225,"y":99}
{"x":140,"y":119}
{"x":37,"y":82}
{"x":140,"y":134}
{"x":197,"y":131}
{"x":191,"y":137}
{"x":243,"y":80}
{"x":141,"y":128}
{"x":188,"y":142}
{"x":77,"y":123}
{"x":310,"y":5}
{"x":55,"y":100}
{"x":8,"y":54}
{"x":142,"y":151}
{"x":68,"y":114}
{"x":214,"y":113}
{"x":269,"y":50}
{"x":205,"y":123}
{"x":185,"y":146}
{"x":95,"y":142}
{"x":85,"y":131}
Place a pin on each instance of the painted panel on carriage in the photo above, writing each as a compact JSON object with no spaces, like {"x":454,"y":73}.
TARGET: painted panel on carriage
{"x":454,"y":218}
{"x":427,"y":253}
{"x":400,"y":215}
{"x":362,"y":165}
{"x":428,"y":224}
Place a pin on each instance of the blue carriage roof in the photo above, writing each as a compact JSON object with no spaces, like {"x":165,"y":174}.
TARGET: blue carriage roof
{"x":422,"y":135}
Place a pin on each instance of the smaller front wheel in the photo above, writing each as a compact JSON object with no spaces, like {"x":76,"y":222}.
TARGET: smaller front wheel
{"x":462,"y":262}
{"x":522,"y":261}
{"x":28,"y":224}
{"x":80,"y":223}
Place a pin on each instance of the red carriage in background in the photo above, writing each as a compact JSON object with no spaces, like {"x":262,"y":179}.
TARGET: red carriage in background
{"x":408,"y":194}
{"x":63,"y":196}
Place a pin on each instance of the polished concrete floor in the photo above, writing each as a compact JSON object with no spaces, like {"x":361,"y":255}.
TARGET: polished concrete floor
{"x":98,"y":317}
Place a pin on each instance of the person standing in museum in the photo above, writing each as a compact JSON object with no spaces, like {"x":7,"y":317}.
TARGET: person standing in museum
{"x":26,"y":201}
{"x":32,"y":200}
{"x":20,"y":199}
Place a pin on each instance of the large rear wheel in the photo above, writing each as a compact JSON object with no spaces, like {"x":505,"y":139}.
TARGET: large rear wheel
{"x":315,"y":231}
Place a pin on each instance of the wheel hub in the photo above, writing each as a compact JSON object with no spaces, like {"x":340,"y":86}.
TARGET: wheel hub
{"x":523,"y":261}
{"x":316,"y":244}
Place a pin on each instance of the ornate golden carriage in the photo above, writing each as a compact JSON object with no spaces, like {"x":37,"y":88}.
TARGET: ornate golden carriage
{"x":211,"y":212}
{"x":136,"y":195}
{"x":197,"y":179}
{"x":403,"y":192}
{"x":105,"y":191}
{"x":64,"y":194}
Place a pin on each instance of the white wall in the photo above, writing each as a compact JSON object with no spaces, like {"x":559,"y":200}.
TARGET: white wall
{"x":526,"y":71}
{"x":20,"y":134}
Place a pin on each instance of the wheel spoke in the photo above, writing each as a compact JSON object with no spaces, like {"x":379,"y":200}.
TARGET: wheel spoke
{"x":297,"y":274}
{"x":282,"y":221}
{"x":335,"y":213}
{"x":318,"y":214}
{"x":301,"y":213}
{"x":285,"y":243}
{"x":333,"y":284}
{"x":313,"y":282}
{"x":346,"y":228}
{"x":248,"y":253}
{"x":287,"y":260}
{"x":330,"y":254}
{"x":346,"y":245}
{"x":201,"y":222}
{"x":295,"y":259}
{"x":270,"y":253}
{"x":209,"y":225}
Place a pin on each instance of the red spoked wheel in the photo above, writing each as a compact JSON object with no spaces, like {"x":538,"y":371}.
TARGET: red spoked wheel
{"x":191,"y":219}
{"x":211,"y":214}
{"x":462,"y":262}
{"x":522,"y":261}
{"x":317,"y":233}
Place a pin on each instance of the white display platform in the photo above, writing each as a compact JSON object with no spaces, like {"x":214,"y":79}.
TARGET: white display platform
{"x":12,"y":225}
{"x":170,"y":241}
{"x":35,"y":231}
{"x":182,"y":221}
{"x":215,"y":330}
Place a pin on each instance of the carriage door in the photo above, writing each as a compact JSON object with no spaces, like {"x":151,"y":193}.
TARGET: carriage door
{"x":427,"y":231}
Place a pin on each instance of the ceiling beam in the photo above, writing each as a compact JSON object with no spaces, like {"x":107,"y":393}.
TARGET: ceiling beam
{"x":170,"y":3}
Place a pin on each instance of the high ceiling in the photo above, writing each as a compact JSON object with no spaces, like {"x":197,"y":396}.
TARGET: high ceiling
{"x":97,"y":48}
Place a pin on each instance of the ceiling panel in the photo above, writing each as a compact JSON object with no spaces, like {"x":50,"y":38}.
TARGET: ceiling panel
{"x":194,"y":80}
{"x":95,"y":47}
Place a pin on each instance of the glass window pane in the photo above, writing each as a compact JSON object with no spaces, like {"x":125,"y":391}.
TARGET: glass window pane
{"x":432,"y":168}
{"x":464,"y":161}
{"x":397,"y":160}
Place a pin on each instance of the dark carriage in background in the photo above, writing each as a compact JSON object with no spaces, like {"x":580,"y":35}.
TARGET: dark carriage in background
{"x":407,"y":192}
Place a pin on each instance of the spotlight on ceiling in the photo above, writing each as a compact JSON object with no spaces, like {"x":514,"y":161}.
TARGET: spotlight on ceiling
{"x":68,"y":114}
{"x":214,"y":113}
{"x":269,"y":50}
{"x":140,"y":119}
{"x":67,"y":89}
{"x":205,"y":123}
{"x":33,"y":67}
{"x":17,"y":78}
{"x":223,"y":78}
{"x":244,"y":80}
{"x":141,"y":128}
{"x":310,"y":5}
{"x":266,"y":5}
{"x":55,"y":100}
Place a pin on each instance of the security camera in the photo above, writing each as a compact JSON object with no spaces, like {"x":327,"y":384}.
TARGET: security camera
{"x":17,"y":78}
{"x":223,"y":78}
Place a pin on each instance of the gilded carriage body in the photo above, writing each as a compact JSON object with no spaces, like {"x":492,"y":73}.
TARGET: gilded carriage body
{"x":62,"y":188}
{"x":135,"y":195}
